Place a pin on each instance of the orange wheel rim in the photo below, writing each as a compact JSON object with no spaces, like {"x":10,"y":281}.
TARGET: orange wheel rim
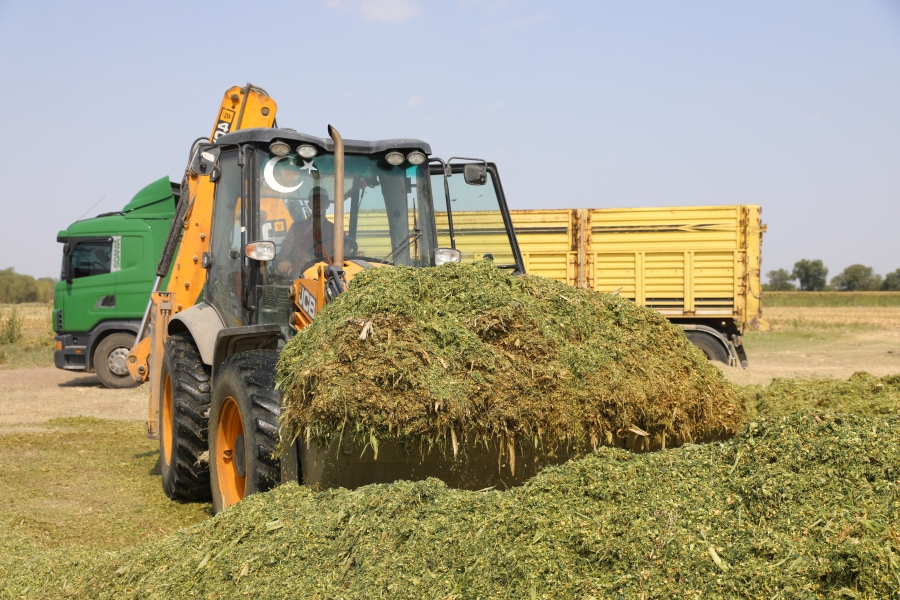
{"x":230,"y":453}
{"x":166,"y":423}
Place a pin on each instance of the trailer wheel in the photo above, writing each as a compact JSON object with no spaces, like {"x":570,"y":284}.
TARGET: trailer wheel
{"x":109,"y":361}
{"x":710,"y":346}
{"x":243,"y":425}
{"x":184,"y":421}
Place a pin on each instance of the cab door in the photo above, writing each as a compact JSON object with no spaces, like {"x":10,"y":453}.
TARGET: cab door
{"x":134,"y":276}
{"x":475,"y":219}
{"x":90,"y":289}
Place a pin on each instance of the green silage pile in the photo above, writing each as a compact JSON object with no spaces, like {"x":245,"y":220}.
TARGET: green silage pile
{"x":861,"y":394}
{"x":465,"y":353}
{"x":806,"y":506}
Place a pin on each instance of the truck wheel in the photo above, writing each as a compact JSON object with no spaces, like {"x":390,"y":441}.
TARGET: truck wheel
{"x":710,"y":346}
{"x":109,"y":360}
{"x":184,"y":421}
{"x":243,"y":424}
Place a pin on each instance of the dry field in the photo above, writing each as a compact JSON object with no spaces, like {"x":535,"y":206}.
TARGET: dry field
{"x":35,"y":349}
{"x":822,"y":342}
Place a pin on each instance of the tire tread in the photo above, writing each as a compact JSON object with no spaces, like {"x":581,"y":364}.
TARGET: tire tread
{"x":191,"y":395}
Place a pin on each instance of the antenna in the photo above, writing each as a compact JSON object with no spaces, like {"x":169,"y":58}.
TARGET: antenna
{"x":91,"y":208}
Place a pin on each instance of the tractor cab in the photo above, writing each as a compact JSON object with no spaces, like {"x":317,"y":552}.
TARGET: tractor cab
{"x":276,"y":219}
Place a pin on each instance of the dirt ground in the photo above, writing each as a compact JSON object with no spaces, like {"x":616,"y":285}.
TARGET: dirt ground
{"x":30,"y":397}
{"x":817,"y":355}
{"x":803,"y":343}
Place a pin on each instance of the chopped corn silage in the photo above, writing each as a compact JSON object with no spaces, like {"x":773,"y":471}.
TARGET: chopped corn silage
{"x":862,"y":394}
{"x":805,"y":506}
{"x":470,"y":352}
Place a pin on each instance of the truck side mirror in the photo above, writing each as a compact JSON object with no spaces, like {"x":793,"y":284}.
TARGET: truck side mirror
{"x":475,"y":174}
{"x":205,"y":160}
{"x":67,"y":263}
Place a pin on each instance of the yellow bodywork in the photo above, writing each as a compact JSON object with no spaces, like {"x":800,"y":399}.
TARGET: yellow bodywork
{"x":241,"y":108}
{"x":308,"y":292}
{"x":688,"y":262}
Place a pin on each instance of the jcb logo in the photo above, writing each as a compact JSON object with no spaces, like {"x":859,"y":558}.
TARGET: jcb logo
{"x":308,"y":303}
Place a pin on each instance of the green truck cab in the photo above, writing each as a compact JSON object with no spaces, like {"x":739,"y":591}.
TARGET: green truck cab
{"x":108,"y":270}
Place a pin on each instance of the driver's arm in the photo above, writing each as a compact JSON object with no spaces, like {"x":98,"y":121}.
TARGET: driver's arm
{"x":290,"y":248}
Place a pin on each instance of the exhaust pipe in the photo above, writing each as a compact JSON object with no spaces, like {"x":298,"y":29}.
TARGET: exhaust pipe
{"x":338,"y":196}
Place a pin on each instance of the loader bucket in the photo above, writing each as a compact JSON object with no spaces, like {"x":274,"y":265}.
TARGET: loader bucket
{"x":350,"y":465}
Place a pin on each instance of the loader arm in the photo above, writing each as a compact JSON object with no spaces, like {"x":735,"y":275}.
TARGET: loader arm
{"x":241,"y":108}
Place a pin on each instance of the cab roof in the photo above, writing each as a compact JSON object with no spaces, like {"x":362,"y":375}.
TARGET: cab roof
{"x":268,"y":135}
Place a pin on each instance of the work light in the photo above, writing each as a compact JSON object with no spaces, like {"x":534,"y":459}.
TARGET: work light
{"x":394,"y":158}
{"x":279,"y":148}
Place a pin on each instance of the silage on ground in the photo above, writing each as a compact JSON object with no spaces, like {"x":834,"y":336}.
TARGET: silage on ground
{"x":802,"y":506}
{"x":470,"y":352}
{"x":862,"y":394}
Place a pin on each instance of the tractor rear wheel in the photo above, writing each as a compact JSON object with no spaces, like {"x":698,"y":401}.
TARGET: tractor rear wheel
{"x":109,"y":360}
{"x":184,"y":421}
{"x":243,"y":425}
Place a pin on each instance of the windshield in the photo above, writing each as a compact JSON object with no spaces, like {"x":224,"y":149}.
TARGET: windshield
{"x":382,"y":204}
{"x":383,"y":216}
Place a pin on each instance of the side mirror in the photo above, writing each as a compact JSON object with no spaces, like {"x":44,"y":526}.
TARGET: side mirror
{"x":475,"y":174}
{"x":67,"y":263}
{"x":262,"y":251}
{"x":205,"y":160}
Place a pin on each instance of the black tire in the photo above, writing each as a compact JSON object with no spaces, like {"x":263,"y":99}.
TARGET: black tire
{"x":109,"y":361}
{"x":711,"y":346}
{"x":184,"y":425}
{"x":244,"y":396}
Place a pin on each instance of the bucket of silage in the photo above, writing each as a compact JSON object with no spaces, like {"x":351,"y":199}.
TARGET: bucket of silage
{"x":477,"y":377}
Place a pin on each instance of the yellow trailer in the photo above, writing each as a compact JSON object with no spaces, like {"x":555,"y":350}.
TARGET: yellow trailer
{"x":697,"y":265}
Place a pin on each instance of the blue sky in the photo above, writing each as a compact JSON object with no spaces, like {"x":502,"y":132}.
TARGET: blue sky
{"x":792,"y":105}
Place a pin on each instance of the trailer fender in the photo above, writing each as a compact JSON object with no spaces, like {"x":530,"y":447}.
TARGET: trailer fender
{"x":712,"y":334}
{"x":203,"y":323}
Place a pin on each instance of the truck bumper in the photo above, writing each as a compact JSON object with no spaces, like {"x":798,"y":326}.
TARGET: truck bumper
{"x":71,"y":351}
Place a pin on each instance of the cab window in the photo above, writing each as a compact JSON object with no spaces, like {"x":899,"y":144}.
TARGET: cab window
{"x":91,"y":258}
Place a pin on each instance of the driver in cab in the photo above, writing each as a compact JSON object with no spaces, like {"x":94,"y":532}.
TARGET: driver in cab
{"x":307,"y":238}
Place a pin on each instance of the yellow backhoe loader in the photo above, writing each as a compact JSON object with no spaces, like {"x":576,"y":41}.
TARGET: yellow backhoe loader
{"x":272,"y":225}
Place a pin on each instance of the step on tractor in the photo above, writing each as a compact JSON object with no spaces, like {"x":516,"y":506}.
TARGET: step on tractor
{"x":273,"y":224}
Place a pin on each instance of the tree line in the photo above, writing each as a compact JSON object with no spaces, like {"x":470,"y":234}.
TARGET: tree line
{"x":16,"y":287}
{"x":812,"y":276}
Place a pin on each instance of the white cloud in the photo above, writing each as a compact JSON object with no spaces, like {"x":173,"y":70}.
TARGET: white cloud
{"x":417,"y":99}
{"x":817,"y":117}
{"x":386,"y":11}
{"x":494,"y":107}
